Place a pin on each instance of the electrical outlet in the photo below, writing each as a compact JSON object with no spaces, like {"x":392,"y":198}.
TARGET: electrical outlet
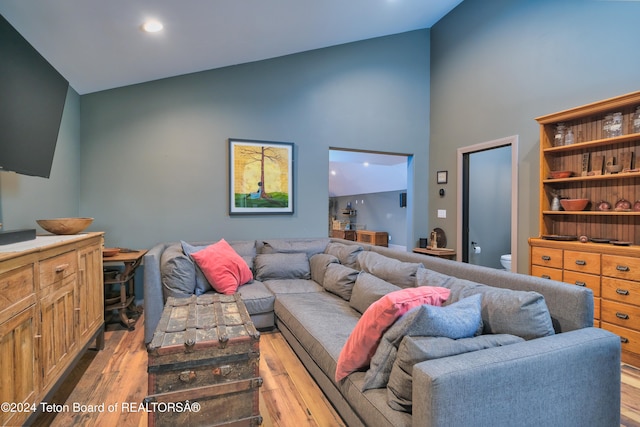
{"x":442,"y":213}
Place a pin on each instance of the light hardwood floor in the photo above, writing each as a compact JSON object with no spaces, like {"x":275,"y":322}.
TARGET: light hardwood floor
{"x":288,"y":396}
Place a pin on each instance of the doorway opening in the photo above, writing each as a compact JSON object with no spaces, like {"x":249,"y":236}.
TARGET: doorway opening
{"x":372,"y":187}
{"x":487,"y":203}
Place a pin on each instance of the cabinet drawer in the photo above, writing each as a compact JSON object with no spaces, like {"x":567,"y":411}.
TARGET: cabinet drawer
{"x":621,"y":290}
{"x":629,"y":339}
{"x":546,"y":273}
{"x":586,"y":262}
{"x":546,"y":257}
{"x":596,"y":311}
{"x":620,"y":314}
{"x":622,"y":267}
{"x":57,"y":268}
{"x":591,"y":281}
{"x":15,"y":286}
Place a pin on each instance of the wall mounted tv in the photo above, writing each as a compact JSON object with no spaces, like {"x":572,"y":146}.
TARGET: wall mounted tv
{"x":32,"y":96}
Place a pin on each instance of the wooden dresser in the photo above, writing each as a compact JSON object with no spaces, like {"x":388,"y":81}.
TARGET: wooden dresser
{"x":51,"y":309}
{"x":609,"y":261}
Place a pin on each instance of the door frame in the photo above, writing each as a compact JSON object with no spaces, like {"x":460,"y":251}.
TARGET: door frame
{"x":461,"y":152}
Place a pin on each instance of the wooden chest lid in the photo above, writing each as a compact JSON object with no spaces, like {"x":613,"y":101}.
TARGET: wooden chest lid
{"x":198,"y":322}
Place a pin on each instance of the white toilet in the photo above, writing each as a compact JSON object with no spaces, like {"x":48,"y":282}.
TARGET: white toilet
{"x":505,"y":260}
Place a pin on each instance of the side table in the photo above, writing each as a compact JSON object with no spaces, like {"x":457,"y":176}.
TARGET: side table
{"x":122,"y":299}
{"x":438,"y":252}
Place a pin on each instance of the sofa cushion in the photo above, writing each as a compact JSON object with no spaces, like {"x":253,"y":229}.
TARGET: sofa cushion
{"x":308,"y":246}
{"x":318,"y":264}
{"x":504,"y":311}
{"x":256,"y":297}
{"x":364,"y":339}
{"x":282,"y":266}
{"x":224,"y":269}
{"x":459,"y":320}
{"x":292,"y":286}
{"x":402,"y":274}
{"x":367,"y":290}
{"x":178,"y":273}
{"x":340,"y":279}
{"x":321,"y":335}
{"x":414,"y":350}
{"x":347,"y":254}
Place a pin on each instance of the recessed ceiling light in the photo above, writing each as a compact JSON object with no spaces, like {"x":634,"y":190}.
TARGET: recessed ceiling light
{"x":366,"y":164}
{"x":152,"y":26}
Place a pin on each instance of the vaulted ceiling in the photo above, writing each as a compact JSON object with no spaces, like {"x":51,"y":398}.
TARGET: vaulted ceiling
{"x":99,"y":44}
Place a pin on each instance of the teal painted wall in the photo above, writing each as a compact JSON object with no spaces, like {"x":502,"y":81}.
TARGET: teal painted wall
{"x":154,"y":155}
{"x":24,"y":199}
{"x":498,"y":64}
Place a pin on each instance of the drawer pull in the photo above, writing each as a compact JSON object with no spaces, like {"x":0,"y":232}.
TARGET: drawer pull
{"x":622,"y":316}
{"x":581,"y":283}
{"x":622,"y":268}
{"x":624,"y":340}
{"x":581,"y":262}
{"x":622,"y":291}
{"x":61,"y":267}
{"x":546,"y":258}
{"x":545,"y":276}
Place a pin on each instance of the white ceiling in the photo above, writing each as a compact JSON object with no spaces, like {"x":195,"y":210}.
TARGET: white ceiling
{"x":357,"y":172}
{"x":98,"y":44}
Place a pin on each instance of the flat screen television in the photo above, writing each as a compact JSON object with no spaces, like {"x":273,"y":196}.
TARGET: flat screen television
{"x":32,"y":97}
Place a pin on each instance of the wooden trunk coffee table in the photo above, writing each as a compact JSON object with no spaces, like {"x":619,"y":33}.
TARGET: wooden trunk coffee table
{"x":204,"y":352}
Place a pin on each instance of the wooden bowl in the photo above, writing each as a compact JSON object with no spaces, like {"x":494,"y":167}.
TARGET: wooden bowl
{"x":107,"y":252}
{"x":64,"y":225}
{"x":560,"y":174}
{"x":574,"y":204}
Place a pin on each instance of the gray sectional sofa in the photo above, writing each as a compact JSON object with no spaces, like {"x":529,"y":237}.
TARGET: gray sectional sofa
{"x":533,"y":360}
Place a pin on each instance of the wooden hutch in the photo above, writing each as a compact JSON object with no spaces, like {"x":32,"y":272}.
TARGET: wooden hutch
{"x":609,"y":261}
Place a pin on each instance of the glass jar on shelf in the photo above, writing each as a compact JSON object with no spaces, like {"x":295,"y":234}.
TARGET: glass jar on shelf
{"x":558,"y":139}
{"x":636,"y":121}
{"x":606,"y":126}
{"x":568,"y":137}
{"x":616,"y":125}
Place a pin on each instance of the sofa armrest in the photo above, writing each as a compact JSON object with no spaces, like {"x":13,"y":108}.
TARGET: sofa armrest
{"x":153,"y":296}
{"x":569,"y":379}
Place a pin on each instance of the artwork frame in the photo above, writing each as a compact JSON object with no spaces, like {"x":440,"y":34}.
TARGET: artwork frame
{"x":442,"y":177}
{"x":261,"y":177}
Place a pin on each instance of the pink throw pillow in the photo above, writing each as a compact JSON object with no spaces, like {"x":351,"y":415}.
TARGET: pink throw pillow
{"x":223,"y":267}
{"x":363,"y":341}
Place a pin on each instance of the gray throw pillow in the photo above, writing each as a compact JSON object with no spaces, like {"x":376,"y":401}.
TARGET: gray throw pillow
{"x":394,"y":271}
{"x":340,"y":280}
{"x":459,"y":320}
{"x":282,"y":266}
{"x":367,"y":290}
{"x":347,"y":254}
{"x":177,"y":272}
{"x":504,"y":311}
{"x":288,"y":246}
{"x":318,"y":264}
{"x":202,"y":285}
{"x":414,"y":350}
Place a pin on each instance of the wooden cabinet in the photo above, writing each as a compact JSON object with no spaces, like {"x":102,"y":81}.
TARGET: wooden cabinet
{"x":611,"y":270}
{"x":377,"y":238}
{"x":344,"y":234}
{"x":51,"y":295}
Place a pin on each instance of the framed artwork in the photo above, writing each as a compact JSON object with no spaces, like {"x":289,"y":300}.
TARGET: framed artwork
{"x":441,"y":177}
{"x":260,"y":177}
